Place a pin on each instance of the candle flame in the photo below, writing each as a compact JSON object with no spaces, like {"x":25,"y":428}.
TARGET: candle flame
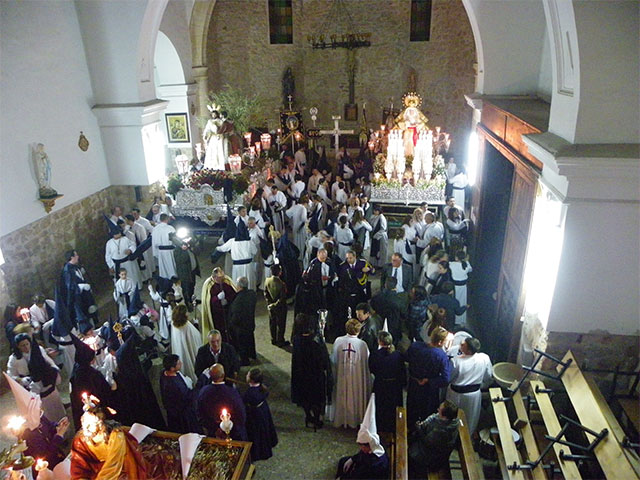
{"x":15,"y":423}
{"x":41,"y":464}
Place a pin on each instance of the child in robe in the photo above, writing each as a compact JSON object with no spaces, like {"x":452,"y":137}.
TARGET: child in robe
{"x":260,"y":428}
{"x":166,"y":305}
{"x":123,"y":293}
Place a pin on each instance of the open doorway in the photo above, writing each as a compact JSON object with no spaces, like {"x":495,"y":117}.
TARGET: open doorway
{"x":497,"y":177}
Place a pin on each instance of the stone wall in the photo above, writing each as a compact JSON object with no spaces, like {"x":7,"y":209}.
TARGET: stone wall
{"x":239,"y":54}
{"x":34,"y":254}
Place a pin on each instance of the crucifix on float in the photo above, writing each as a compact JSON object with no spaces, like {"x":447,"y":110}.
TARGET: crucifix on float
{"x":336,"y":132}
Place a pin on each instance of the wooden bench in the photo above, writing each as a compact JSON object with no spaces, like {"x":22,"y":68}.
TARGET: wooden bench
{"x":591,"y":412}
{"x":400,"y":469}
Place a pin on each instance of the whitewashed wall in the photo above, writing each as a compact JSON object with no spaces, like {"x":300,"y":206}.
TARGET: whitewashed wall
{"x":45,"y":96}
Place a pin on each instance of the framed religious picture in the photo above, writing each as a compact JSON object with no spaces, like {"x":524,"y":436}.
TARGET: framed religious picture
{"x":177,"y":127}
{"x":351,"y":112}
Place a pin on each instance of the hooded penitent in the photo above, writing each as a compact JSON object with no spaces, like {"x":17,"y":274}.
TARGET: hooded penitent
{"x":29,"y":404}
{"x":368,"y":432}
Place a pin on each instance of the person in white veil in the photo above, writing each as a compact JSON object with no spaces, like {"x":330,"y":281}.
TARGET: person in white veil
{"x":185,"y":341}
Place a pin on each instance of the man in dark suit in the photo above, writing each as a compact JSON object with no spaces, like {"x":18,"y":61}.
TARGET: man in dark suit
{"x":215,"y":396}
{"x":321,"y":273}
{"x":371,"y":325}
{"x":402,"y":272}
{"x":217,"y":351}
{"x":242,"y":321}
{"x":388,"y":304}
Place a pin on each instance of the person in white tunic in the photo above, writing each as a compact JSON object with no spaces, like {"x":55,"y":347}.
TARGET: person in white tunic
{"x":166,"y":311}
{"x":460,"y":270}
{"x":344,"y":236}
{"x":471,"y":370}
{"x":458,"y":183}
{"x":277,"y":202}
{"x":185,"y":341}
{"x":296,"y":189}
{"x":117,"y":250}
{"x":243,"y":250}
{"x":140,"y":220}
{"x":162,"y":244}
{"x":298,"y":218}
{"x":140,"y":235}
{"x":350,"y":361}
{"x":21,"y":368}
{"x":256,"y":234}
{"x":380,"y":238}
{"x":123,"y":294}
{"x":41,"y":311}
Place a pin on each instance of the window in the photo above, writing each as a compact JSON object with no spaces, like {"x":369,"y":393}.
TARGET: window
{"x":420,"y":20}
{"x":280,"y":22}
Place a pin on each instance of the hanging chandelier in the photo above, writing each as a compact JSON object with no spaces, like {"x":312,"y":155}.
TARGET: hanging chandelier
{"x":333,"y":35}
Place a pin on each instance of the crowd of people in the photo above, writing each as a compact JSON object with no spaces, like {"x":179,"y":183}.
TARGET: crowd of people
{"x":308,"y":239}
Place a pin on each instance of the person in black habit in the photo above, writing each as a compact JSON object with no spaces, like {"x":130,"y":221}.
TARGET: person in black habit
{"x":242,"y":321}
{"x":390,"y":377}
{"x":260,"y":428}
{"x":311,"y":377}
{"x":216,"y":351}
{"x":213,"y":398}
{"x":85,"y":378}
{"x":178,"y":397}
{"x":137,"y":402}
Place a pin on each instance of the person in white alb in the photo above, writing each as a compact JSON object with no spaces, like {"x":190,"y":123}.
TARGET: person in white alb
{"x":471,"y":370}
{"x":116,"y":255}
{"x":296,"y":188}
{"x":243,"y":250}
{"x":298,"y":218}
{"x":162,"y":244}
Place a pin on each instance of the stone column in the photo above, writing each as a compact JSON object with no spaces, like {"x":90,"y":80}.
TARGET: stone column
{"x":202,"y":80}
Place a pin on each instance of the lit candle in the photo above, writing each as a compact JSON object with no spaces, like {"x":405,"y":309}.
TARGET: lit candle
{"x":265,"y":139}
{"x":16,"y":424}
{"x":382,"y":127}
{"x":247,"y":137}
{"x":226,"y":424}
{"x":43,"y":471}
{"x":258,"y":147}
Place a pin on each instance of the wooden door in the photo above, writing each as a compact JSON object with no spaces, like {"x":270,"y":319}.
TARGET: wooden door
{"x":510,"y":299}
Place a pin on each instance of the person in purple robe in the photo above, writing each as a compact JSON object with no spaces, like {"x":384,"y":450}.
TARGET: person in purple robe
{"x":260,"y":428}
{"x":178,"y":397}
{"x":429,"y":371}
{"x":213,"y":398}
{"x":46,"y":441}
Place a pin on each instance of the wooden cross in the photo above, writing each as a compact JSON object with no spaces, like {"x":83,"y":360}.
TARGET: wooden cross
{"x":336,"y":132}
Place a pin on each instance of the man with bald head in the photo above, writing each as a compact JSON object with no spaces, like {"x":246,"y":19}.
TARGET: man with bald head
{"x":216,"y":396}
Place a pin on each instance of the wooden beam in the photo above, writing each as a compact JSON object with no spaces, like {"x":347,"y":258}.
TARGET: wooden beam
{"x":506,"y":439}
{"x":609,"y":452}
{"x":527,"y":435}
{"x":468,"y":460}
{"x":401,"y":448}
{"x":569,"y":468}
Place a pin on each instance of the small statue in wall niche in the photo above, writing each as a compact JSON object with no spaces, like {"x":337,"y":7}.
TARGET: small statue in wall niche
{"x":288,"y":86}
{"x":43,"y":172}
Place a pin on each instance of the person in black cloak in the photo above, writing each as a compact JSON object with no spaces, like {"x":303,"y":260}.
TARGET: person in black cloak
{"x":138,"y":402}
{"x":260,"y":428}
{"x":85,"y":378}
{"x":288,"y":255}
{"x":178,"y":397}
{"x":74,"y":291}
{"x":308,"y":298}
{"x":311,"y":378}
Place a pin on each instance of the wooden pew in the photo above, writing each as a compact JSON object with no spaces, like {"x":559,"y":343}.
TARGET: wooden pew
{"x":471,"y":469}
{"x":508,"y":446}
{"x":610,"y":454}
{"x":524,"y":427}
{"x":400,"y":466}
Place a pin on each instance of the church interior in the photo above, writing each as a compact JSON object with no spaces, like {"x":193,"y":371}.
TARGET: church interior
{"x":540,"y":102}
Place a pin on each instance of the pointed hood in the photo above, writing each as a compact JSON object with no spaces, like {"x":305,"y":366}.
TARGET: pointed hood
{"x":29,"y":404}
{"x":385,"y":327}
{"x":84,"y":353}
{"x":368,"y":432}
{"x":61,"y":320}
{"x":230,"y":231}
{"x":242,"y":234}
{"x":113,"y":228}
{"x":135,"y":304}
